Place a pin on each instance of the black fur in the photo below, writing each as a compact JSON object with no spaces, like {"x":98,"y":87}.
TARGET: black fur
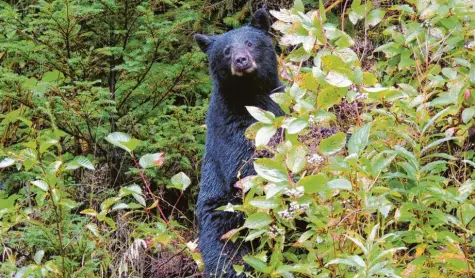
{"x":227,"y":150}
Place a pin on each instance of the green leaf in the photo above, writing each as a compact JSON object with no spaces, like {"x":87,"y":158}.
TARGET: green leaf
{"x":104,"y":51}
{"x":389,"y":49}
{"x":25,"y":271}
{"x":298,"y":268}
{"x":471,"y":75}
{"x":254,"y":234}
{"x":380,"y":163}
{"x":39,"y":256}
{"x":47,"y":143}
{"x":181,"y":181}
{"x":139,"y":199}
{"x":296,"y":158}
{"x":434,"y":165}
{"x":271,"y":170}
{"x":332,"y":144}
{"x":40,"y":184}
{"x":449,"y":73}
{"x":56,"y":195}
{"x":263,"y":203}
{"x":120,"y":206}
{"x":151,"y":160}
{"x":299,"y":55}
{"x":406,"y":59}
{"x":110,"y":222}
{"x":436,"y":143}
{"x":355,"y":261}
{"x":8,"y":203}
{"x":309,"y":42}
{"x":131,"y":189}
{"x":80,"y":161}
{"x":256,"y":263}
{"x":375,"y":17}
{"x":6,"y":162}
{"x":330,"y":96}
{"x":298,"y":6}
{"x":90,"y":212}
{"x":264,"y":134}
{"x":467,"y":114}
{"x":321,"y":8}
{"x":403,"y":8}
{"x":359,"y":139}
{"x":466,"y":213}
{"x":282,"y":99}
{"x":132,"y":144}
{"x":345,"y":40}
{"x":54,"y":167}
{"x":433,"y":119}
{"x":338,"y":78}
{"x":323,"y":116}
{"x":93,"y":229}
{"x":261,"y":115}
{"x":330,"y":62}
{"x":313,"y":183}
{"x":429,"y":12}
{"x":358,"y":76}
{"x":343,"y":184}
{"x":258,"y":220}
{"x":122,"y":140}
{"x":358,"y":243}
{"x":296,"y":125}
{"x":52,"y":76}
{"x":358,"y":11}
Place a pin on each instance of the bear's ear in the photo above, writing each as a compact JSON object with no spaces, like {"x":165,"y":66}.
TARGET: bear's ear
{"x":203,"y":41}
{"x":261,"y":20}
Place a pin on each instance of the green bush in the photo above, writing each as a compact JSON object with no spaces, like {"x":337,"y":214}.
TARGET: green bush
{"x":396,"y":200}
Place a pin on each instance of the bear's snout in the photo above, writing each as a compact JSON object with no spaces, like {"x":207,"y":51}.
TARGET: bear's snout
{"x":242,"y":62}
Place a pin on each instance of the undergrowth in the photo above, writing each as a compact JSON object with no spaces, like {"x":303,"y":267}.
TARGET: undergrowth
{"x":369,"y":174}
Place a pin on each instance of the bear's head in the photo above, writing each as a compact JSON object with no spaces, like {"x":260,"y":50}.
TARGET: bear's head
{"x":244,"y":57}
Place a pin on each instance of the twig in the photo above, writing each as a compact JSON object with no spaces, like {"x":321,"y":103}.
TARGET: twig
{"x":336,"y":3}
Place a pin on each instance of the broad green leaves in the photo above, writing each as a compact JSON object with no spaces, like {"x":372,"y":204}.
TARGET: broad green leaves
{"x":80,"y":161}
{"x":332,"y":144}
{"x":313,"y":183}
{"x":52,"y":76}
{"x":339,"y":184}
{"x":339,"y":77}
{"x":258,"y":220}
{"x":261,"y":115}
{"x":271,"y":170}
{"x":123,"y":140}
{"x":296,"y":158}
{"x":264,"y":135}
{"x":359,"y":139}
{"x":6,"y":162}
{"x":375,"y":17}
{"x":152,"y":160}
{"x":41,"y":185}
{"x":468,"y":114}
{"x":180,"y":181}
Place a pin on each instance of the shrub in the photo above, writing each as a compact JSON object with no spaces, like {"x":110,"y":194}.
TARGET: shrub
{"x":394,"y":200}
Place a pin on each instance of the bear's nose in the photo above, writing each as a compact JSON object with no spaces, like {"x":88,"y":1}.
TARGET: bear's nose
{"x":241,"y":62}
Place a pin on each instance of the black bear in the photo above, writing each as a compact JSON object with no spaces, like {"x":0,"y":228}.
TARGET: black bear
{"x":243,"y":68}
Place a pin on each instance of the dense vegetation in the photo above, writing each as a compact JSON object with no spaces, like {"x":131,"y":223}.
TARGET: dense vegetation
{"x":102,"y":109}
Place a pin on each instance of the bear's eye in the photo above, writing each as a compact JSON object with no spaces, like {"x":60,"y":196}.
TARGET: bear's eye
{"x":248,"y":43}
{"x":227,"y":51}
